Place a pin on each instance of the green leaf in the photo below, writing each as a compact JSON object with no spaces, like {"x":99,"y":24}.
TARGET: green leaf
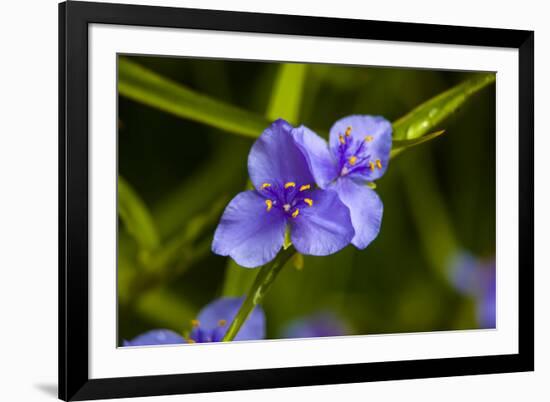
{"x":136,"y":217}
{"x":145,"y":86}
{"x":400,"y":145}
{"x":429,"y":114}
{"x":287,"y":93}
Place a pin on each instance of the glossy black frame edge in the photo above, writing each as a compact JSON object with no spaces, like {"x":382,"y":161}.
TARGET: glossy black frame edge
{"x":74,"y":17}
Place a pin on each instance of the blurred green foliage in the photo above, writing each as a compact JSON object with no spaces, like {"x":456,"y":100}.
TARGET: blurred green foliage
{"x":179,"y":167}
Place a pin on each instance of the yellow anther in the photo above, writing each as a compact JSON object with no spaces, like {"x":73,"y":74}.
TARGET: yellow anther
{"x":369,"y":138}
{"x":290,"y":184}
{"x":266,"y":185}
{"x":305,"y":187}
{"x":371,"y":166}
{"x":269,"y":205}
{"x":348,"y":131}
{"x":378,"y":164}
{"x":341,"y":139}
{"x":189,"y":340}
{"x":308,"y":201}
{"x":222,"y":323}
{"x":352,"y":160}
{"x":295,"y":213}
{"x":195,"y":323}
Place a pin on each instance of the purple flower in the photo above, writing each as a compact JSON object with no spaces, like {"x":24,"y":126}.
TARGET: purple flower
{"x":477,"y":278}
{"x":320,"y":324}
{"x":210,"y":326}
{"x":358,"y":153}
{"x":155,"y":337}
{"x":252,"y":228}
{"x":214,"y":319}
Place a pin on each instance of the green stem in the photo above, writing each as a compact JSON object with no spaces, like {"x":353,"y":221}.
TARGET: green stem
{"x":257,"y":292}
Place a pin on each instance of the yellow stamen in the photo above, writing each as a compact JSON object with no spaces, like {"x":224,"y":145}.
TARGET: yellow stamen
{"x":269,"y":205}
{"x":369,"y":138}
{"x":195,"y":323}
{"x":352,"y":160}
{"x":348,"y":131}
{"x":295,"y":213}
{"x":308,"y":201}
{"x":290,"y":184}
{"x":222,"y":323}
{"x":189,"y":340}
{"x":305,"y":187}
{"x":341,"y":139}
{"x":266,"y":185}
{"x":371,"y":166}
{"x":378,"y":164}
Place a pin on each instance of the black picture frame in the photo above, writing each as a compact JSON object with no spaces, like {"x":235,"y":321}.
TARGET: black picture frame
{"x":74,"y":18}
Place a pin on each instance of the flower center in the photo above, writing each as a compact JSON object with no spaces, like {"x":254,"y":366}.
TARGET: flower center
{"x":353,"y":155}
{"x":289,"y":197}
{"x":201,"y":335}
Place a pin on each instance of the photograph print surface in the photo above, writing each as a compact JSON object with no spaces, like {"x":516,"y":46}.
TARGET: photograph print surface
{"x":263,"y":200}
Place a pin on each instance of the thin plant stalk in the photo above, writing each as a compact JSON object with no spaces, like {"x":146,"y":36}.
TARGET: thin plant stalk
{"x":263,"y":282}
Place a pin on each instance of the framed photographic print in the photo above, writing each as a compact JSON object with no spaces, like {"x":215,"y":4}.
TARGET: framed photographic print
{"x":255,"y":200}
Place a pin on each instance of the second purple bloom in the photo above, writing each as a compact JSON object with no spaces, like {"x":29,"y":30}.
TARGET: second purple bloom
{"x":357,"y":154}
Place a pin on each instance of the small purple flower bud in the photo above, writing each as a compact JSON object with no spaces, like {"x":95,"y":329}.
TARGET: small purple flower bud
{"x":476,"y":278}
